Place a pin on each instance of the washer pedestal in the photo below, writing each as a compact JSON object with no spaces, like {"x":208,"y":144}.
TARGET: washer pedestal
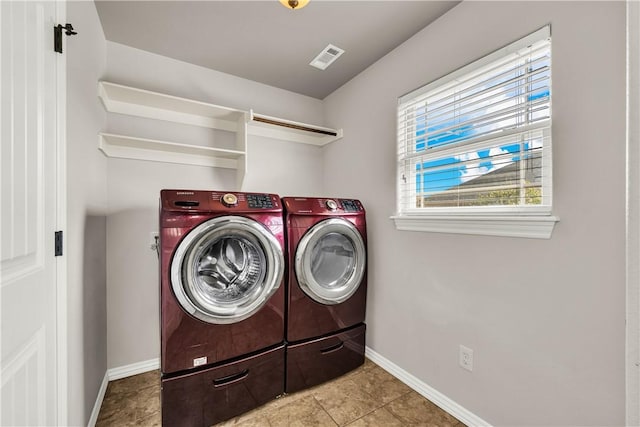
{"x":314,"y":362}
{"x":217,"y":394}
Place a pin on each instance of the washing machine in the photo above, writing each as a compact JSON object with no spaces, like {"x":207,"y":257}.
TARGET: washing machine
{"x":327,"y":288}
{"x":222,"y":304}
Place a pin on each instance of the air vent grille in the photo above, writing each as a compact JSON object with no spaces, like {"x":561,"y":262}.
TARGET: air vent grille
{"x":326,"y":57}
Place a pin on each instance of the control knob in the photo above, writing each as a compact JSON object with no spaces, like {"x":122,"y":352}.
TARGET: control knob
{"x":229,"y":200}
{"x":331,"y":204}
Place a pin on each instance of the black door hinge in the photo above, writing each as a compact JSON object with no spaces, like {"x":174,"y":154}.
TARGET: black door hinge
{"x":57,"y":35}
{"x":58,"y":243}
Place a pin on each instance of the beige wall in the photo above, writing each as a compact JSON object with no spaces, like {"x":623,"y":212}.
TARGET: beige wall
{"x":545,"y":318}
{"x":86,"y":214}
{"x":133,"y":186}
{"x":633,"y":216}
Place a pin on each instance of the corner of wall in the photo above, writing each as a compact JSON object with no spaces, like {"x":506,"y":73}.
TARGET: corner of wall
{"x":86,"y":214}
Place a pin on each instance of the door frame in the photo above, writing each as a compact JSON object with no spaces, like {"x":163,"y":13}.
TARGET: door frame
{"x":632,"y":357}
{"x":61,"y":224}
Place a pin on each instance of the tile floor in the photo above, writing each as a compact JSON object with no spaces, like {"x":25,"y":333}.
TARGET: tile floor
{"x":367,"y":396}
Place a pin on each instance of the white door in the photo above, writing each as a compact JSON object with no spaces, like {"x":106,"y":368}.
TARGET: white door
{"x":28,"y":216}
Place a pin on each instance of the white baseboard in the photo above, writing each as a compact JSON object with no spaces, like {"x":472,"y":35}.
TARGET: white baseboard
{"x":96,"y":407}
{"x":116,"y":374}
{"x":133,"y":369}
{"x":424,"y":389}
{"x":427,"y":391}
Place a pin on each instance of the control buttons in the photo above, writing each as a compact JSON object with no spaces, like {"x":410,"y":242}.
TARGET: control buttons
{"x":259,"y":201}
{"x":331,"y":204}
{"x":350,"y":206}
{"x":229,"y":200}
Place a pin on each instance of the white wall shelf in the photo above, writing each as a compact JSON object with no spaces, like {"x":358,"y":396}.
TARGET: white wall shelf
{"x":143,"y":103}
{"x":127,"y":147}
{"x":288,"y":130}
{"x":121,"y":99}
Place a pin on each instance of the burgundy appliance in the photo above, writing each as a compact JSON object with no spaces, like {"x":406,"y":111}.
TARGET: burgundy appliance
{"x":327,"y":289}
{"x":222,"y":304}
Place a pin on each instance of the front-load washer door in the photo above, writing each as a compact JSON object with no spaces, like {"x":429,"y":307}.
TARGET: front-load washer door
{"x":226,"y":269}
{"x":330,"y":261}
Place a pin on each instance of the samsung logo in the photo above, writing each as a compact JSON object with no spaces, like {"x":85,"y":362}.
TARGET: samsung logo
{"x":185,"y":193}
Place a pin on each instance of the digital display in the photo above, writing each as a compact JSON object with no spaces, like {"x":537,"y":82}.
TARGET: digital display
{"x":350,"y":206}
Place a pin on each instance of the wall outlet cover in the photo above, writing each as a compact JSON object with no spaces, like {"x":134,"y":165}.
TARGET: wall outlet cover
{"x":466,"y":358}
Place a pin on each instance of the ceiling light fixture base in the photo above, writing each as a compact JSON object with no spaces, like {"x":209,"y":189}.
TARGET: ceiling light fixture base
{"x":294,"y":4}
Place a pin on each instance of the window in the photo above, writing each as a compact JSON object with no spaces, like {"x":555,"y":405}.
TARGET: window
{"x":477,"y":142}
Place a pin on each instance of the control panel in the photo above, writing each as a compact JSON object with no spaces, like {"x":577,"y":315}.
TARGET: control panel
{"x":259,"y":201}
{"x":337,"y":205}
{"x":322,"y":206}
{"x":214,"y":201}
{"x":246,"y":201}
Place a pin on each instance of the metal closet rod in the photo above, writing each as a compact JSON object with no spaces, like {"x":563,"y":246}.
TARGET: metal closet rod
{"x":293,"y":126}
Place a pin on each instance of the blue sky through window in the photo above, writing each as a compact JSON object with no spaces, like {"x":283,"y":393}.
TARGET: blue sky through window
{"x":495,"y":109}
{"x":445,"y":173}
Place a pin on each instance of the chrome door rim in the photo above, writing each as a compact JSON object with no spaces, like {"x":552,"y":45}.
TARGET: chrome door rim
{"x":182,"y":281}
{"x":305,"y":277}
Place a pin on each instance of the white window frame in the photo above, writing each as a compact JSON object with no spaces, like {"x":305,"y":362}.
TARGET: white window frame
{"x":507,"y":221}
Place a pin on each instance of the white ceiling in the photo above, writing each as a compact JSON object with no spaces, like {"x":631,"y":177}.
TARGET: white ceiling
{"x":265,"y":42}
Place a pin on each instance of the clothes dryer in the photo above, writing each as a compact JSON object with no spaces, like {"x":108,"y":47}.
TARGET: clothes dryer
{"x":222,"y":304}
{"x":327,"y":288}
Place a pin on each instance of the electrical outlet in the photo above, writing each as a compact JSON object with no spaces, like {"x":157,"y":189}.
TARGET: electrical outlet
{"x":466,"y":358}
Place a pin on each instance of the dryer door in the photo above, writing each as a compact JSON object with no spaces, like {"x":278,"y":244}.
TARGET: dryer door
{"x":226,"y":269}
{"x":330,"y":261}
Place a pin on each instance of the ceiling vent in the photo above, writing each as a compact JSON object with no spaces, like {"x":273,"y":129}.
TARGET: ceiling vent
{"x":326,"y":57}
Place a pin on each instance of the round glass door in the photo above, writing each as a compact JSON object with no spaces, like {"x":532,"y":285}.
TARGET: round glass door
{"x":226,"y":269}
{"x":330,"y":261}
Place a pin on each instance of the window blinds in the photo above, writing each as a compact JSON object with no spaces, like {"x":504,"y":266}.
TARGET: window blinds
{"x":481,"y":136}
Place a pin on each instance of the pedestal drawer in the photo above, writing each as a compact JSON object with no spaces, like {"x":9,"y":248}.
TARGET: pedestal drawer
{"x":316,"y":361}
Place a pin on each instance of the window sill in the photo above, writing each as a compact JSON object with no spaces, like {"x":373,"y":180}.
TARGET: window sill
{"x":529,"y":226}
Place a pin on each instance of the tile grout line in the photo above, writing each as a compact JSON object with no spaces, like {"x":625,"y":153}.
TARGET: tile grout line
{"x":362,"y":416}
{"x":325,"y":411}
{"x":384,"y":405}
{"x":393,"y":400}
